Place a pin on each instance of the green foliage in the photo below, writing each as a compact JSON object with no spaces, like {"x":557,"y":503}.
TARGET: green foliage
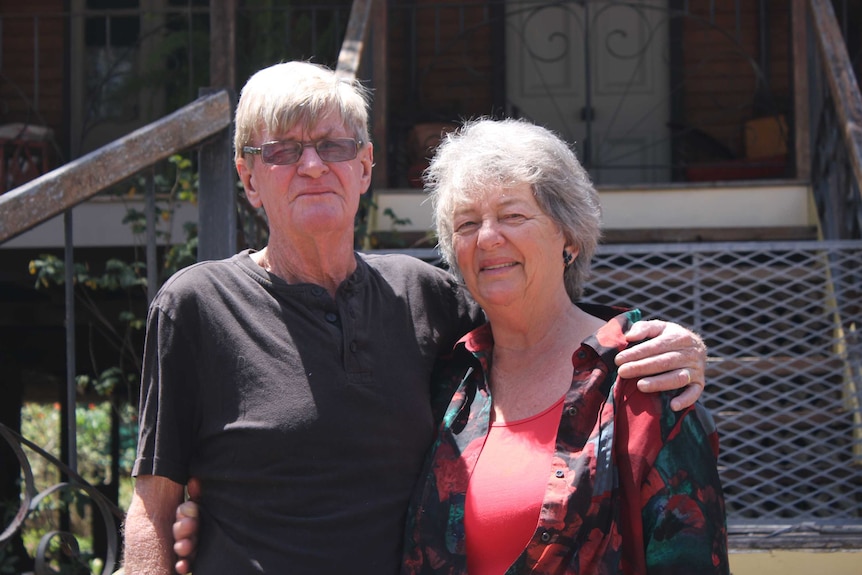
{"x":183,"y":254}
{"x":41,"y":424}
{"x":176,"y":181}
{"x":396,"y":221}
{"x":49,"y":269}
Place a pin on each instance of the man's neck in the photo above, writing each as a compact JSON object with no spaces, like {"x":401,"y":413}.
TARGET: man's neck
{"x":326,"y":264}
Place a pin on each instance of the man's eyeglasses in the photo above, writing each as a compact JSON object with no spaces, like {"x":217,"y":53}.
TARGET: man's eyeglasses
{"x":289,"y":152}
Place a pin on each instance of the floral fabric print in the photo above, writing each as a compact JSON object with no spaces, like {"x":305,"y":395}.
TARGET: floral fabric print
{"x":633,"y":487}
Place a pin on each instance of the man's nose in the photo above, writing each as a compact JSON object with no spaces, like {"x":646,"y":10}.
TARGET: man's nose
{"x":310,"y":163}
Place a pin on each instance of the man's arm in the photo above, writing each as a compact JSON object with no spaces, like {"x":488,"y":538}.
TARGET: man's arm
{"x":671,"y":357}
{"x":149,"y":541}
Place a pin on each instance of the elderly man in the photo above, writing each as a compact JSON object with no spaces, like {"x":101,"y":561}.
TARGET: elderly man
{"x":293,"y":381}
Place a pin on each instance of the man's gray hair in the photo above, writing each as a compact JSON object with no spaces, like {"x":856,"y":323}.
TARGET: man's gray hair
{"x":285,"y":95}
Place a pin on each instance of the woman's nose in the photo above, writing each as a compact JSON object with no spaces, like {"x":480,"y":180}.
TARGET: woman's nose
{"x":489,"y":234}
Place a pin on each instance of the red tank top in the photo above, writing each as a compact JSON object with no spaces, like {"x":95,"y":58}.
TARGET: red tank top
{"x":506,"y":489}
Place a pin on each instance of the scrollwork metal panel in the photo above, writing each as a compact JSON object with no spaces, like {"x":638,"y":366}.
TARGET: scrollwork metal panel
{"x":56,"y":545}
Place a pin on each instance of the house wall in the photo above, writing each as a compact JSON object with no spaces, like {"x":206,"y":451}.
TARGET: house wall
{"x":32,"y":54}
{"x":452,"y":58}
{"x":722,"y":59}
{"x":725,"y":74}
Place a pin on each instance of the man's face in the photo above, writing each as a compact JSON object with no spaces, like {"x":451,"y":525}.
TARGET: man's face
{"x":311,"y":196}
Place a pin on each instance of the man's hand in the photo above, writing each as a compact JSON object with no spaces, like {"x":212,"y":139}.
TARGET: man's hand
{"x":671,"y":357}
{"x":186,"y":529}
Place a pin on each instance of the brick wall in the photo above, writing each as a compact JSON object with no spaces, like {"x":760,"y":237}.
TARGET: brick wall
{"x":721,"y":60}
{"x":32,"y":64}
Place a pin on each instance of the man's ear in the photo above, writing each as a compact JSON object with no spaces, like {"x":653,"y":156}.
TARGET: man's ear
{"x":366,"y":159}
{"x":244,"y":172}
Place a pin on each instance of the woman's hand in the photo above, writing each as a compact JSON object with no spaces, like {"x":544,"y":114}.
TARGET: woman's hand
{"x":671,"y":357}
{"x":186,"y":529}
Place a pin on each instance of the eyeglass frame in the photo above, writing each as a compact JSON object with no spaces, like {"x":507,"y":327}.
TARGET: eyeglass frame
{"x":258,"y":150}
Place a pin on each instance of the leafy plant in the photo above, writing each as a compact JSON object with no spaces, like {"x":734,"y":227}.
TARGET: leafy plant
{"x":122,"y":329}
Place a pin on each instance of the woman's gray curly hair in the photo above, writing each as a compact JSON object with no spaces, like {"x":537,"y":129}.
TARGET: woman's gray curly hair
{"x":487,"y":153}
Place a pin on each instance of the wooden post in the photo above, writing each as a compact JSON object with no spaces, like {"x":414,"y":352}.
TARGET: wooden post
{"x":380,"y":81}
{"x":217,"y":218}
{"x":223,"y":44}
{"x":801,"y":111}
{"x":838,"y":70}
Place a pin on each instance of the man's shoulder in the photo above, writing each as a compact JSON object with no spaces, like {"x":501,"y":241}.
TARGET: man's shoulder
{"x":197,"y":279}
{"x":395,"y":267}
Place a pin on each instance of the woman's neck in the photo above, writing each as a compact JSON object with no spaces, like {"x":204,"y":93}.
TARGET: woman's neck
{"x":531,"y":367}
{"x":533,"y":325}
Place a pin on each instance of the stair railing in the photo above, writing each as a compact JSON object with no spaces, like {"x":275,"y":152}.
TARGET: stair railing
{"x":836,"y":127}
{"x":836,"y":173}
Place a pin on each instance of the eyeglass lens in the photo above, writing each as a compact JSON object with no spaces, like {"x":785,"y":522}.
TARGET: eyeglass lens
{"x":337,"y":150}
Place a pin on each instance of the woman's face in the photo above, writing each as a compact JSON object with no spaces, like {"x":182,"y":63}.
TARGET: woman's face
{"x":508,"y":250}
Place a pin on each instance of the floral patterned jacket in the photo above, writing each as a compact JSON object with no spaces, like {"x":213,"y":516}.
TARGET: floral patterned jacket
{"x":633,"y":486}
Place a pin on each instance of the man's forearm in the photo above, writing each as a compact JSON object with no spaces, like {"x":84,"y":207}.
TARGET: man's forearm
{"x":148,"y":536}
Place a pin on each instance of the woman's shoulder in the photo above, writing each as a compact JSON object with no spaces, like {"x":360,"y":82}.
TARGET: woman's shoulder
{"x":649,"y":416}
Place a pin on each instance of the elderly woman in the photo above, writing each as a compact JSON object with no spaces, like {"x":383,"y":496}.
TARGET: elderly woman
{"x":546,"y":461}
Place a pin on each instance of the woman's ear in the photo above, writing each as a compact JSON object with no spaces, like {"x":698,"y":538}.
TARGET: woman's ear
{"x":572,"y":249}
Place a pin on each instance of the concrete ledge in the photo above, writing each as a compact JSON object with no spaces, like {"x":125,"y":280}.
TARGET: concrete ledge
{"x":778,"y":205}
{"x":99,"y":222}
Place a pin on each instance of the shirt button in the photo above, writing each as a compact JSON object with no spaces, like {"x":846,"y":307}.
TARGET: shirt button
{"x":581,"y":355}
{"x":317,"y":290}
{"x":571,"y":411}
{"x":331,"y":317}
{"x":559,"y":474}
{"x":546,"y":537}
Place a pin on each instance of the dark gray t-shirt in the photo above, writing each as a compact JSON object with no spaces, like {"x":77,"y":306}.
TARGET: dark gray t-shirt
{"x":306,"y":417}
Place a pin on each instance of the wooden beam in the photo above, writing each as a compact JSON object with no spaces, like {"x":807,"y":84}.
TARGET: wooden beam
{"x":842,"y":81}
{"x":354,"y":39}
{"x":71,"y":184}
